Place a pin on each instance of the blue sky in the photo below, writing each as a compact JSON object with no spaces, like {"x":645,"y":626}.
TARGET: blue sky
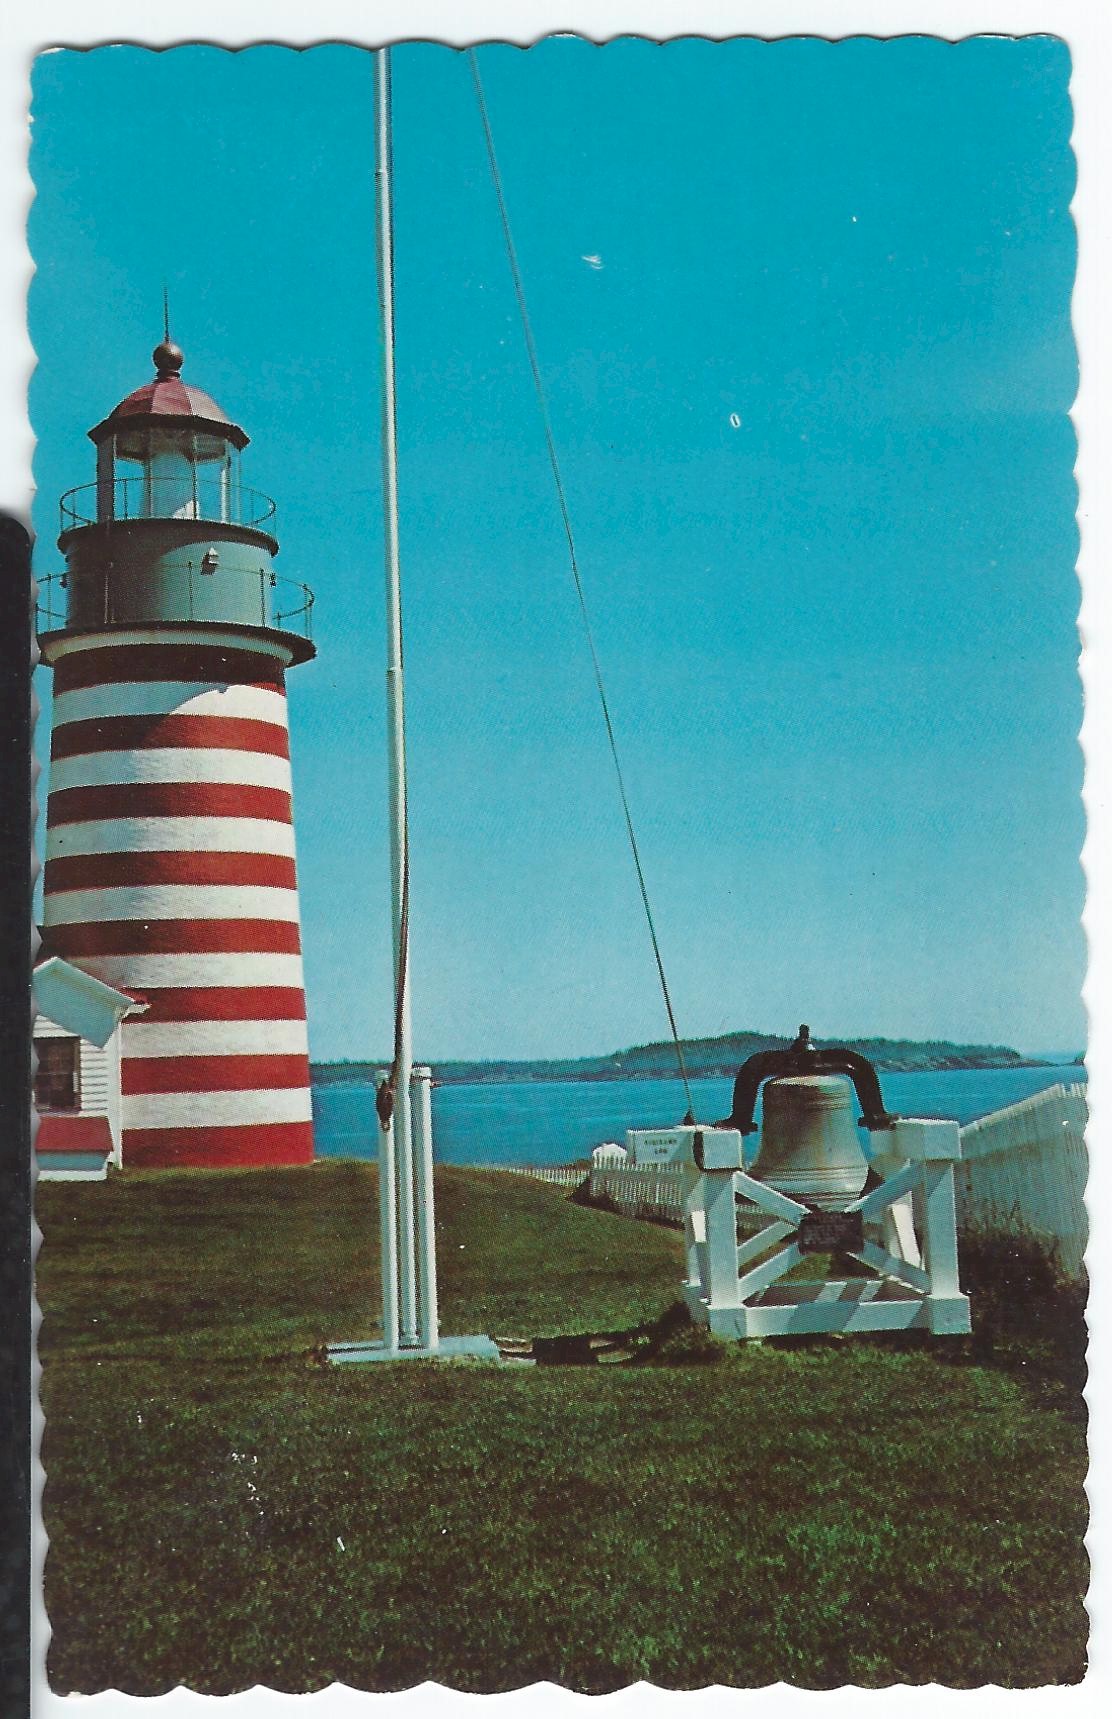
{"x":839,"y":639}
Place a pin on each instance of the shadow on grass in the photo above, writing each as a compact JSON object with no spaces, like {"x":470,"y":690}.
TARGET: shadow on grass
{"x":1028,"y":1321}
{"x":673,"y":1339}
{"x":1028,"y":1317}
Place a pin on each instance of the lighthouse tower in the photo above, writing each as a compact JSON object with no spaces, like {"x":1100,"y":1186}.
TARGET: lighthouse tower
{"x":170,"y":868}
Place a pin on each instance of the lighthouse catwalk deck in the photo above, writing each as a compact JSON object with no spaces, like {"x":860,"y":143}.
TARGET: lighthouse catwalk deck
{"x":170,"y":864}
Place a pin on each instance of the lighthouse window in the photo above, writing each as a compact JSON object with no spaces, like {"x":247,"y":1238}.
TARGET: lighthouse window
{"x":171,"y":472}
{"x":58,"y":1076}
{"x":173,"y":475}
{"x":217,"y":481}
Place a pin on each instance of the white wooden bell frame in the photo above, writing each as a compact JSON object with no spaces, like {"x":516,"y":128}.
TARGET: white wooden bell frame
{"x":905,"y":1230}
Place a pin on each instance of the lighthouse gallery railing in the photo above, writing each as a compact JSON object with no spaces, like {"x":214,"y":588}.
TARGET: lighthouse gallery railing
{"x":216,"y":499}
{"x":258,"y":598}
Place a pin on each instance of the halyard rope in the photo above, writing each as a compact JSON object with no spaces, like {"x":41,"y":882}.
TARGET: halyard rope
{"x":561,"y":495}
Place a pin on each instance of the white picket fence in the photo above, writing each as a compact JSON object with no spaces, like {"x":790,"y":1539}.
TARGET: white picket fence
{"x":564,"y":1175}
{"x":1022,"y":1169}
{"x":638,"y":1193}
{"x":655,"y":1191}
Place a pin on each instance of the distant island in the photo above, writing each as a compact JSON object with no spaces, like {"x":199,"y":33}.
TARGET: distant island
{"x":721,"y":1056}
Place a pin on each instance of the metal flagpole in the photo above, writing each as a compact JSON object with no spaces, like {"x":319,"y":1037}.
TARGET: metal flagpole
{"x":396,"y":1139}
{"x":410,"y":1325}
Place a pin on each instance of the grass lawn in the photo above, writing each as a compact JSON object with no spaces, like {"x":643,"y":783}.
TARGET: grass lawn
{"x":222,"y":1511}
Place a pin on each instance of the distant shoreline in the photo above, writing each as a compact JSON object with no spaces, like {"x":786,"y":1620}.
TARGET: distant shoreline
{"x":362,"y":1074}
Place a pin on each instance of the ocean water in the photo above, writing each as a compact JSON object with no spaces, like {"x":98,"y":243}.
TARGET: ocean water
{"x":552,"y":1122}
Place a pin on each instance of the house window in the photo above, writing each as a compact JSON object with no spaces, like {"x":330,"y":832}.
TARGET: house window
{"x":58,"y":1076}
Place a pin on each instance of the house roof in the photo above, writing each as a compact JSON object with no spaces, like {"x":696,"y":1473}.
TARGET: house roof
{"x":80,"y":1003}
{"x":73,"y":1133}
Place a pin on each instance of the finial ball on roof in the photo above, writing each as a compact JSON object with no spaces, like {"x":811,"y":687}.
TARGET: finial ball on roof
{"x":168,"y":358}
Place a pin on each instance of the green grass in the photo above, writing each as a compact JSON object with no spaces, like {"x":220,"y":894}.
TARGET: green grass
{"x":224,"y":1512}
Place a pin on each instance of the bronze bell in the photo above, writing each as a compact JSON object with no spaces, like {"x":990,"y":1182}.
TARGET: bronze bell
{"x":809,"y":1147}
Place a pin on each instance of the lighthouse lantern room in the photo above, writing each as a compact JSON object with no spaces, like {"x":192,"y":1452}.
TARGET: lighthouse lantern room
{"x":170,"y":862}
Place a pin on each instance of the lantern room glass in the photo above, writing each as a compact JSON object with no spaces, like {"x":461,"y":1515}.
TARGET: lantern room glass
{"x":165,"y":471}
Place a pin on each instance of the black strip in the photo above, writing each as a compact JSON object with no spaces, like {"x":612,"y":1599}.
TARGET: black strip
{"x":15,"y":1117}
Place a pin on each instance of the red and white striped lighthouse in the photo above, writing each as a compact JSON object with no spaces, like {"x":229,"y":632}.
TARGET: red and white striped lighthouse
{"x":170,"y":864}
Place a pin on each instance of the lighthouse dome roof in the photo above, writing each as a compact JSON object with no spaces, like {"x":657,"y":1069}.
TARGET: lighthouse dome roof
{"x":168,"y":398}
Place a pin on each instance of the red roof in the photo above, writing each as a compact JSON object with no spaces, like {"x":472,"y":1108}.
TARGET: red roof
{"x":68,"y":1133}
{"x":169,"y":397}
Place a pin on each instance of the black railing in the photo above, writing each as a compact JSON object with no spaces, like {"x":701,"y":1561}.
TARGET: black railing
{"x":303,"y":613}
{"x":224,"y":503}
{"x":236,"y":596}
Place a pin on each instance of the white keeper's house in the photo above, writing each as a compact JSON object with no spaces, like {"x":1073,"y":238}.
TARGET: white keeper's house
{"x":77,"y":1076}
